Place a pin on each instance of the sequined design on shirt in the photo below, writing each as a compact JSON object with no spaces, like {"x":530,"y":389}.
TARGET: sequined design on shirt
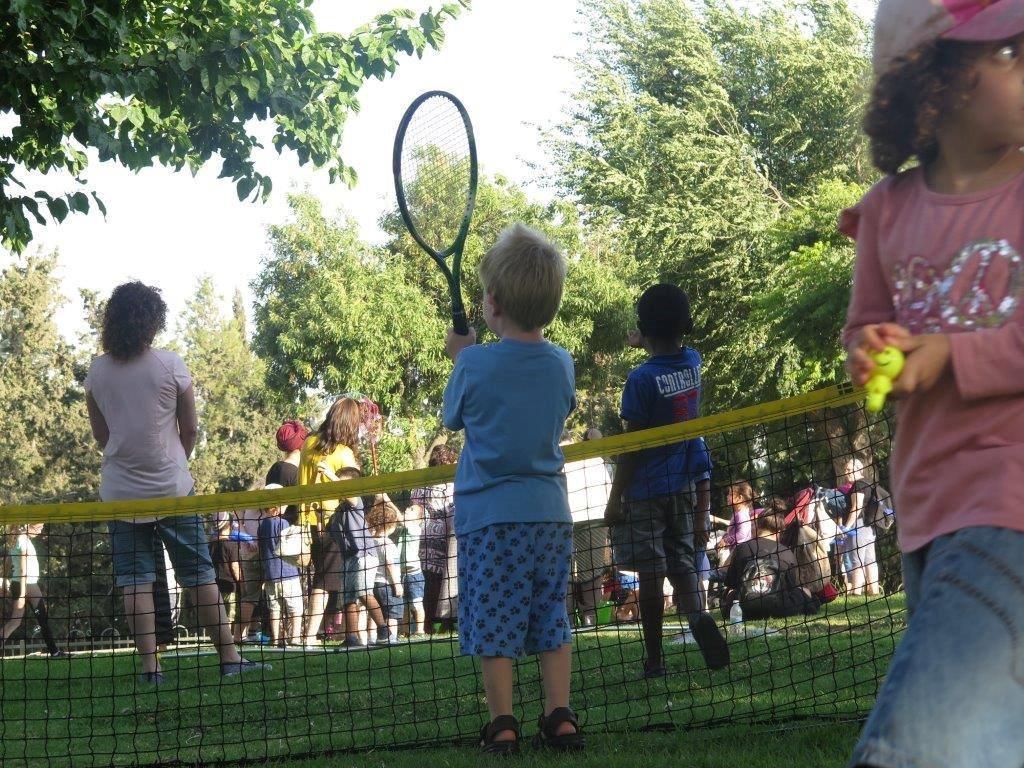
{"x":981,"y":288}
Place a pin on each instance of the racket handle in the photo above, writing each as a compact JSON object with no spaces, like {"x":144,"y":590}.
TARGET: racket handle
{"x":459,"y":322}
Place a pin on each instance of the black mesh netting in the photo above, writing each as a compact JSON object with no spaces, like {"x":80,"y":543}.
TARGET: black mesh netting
{"x":801,"y":540}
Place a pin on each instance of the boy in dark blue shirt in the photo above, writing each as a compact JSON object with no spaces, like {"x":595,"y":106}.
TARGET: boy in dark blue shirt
{"x":657,"y":506}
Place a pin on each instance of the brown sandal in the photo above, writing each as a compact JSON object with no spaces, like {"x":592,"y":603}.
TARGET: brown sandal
{"x":505,"y":748}
{"x":549,"y":737}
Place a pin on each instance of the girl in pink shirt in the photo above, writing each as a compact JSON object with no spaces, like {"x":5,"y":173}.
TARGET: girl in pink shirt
{"x":740,"y":497}
{"x":939,"y":274}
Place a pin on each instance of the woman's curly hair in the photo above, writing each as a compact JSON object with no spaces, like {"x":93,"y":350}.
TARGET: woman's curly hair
{"x":442,"y":455}
{"x":911,"y":97}
{"x":134,"y":315}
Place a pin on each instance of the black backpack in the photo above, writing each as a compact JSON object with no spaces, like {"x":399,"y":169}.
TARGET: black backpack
{"x":762,"y":577}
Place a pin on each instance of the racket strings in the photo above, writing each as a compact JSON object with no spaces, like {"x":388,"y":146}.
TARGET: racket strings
{"x":436,"y":172}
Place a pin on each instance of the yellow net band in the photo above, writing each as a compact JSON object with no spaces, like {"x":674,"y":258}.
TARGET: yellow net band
{"x":92,"y":511}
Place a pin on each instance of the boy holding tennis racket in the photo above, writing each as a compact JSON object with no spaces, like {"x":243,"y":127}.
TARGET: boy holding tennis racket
{"x":512,"y":520}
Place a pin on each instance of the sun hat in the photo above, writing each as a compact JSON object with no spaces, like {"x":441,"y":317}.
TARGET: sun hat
{"x":291,"y":435}
{"x":903,"y":25}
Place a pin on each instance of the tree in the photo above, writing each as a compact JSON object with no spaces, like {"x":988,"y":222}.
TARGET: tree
{"x":47,"y":453}
{"x":237,"y":415}
{"x":697,"y":129}
{"x":334,"y":315}
{"x":177,"y":83}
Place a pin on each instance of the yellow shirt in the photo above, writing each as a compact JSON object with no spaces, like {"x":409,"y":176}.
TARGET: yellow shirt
{"x":309,"y":474}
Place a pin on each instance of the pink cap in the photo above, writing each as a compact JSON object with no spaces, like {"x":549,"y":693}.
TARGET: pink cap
{"x":903,"y":25}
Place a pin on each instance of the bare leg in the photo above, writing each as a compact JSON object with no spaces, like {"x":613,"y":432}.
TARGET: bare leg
{"x":315,"y":614}
{"x":245,"y":611}
{"x":556,"y":671}
{"x":874,"y":585}
{"x":352,"y":621}
{"x":417,"y":618}
{"x":139,"y":612}
{"x":12,"y":623}
{"x":652,"y":611}
{"x":276,"y":635}
{"x":497,"y":673}
{"x":215,"y":620}
{"x":376,"y":614}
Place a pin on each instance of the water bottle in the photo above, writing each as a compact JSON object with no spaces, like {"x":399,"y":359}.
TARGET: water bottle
{"x":736,"y":619}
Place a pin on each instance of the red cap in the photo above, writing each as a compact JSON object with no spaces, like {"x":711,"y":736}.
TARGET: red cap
{"x":291,"y":435}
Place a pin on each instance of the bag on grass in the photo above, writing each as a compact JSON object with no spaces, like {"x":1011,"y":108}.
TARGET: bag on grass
{"x":761,"y":578}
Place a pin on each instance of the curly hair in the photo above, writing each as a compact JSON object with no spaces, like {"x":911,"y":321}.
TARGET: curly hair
{"x":133,"y":316}
{"x":442,"y":455}
{"x":910,"y":98}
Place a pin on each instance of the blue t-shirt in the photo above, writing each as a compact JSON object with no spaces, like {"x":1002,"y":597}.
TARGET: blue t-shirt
{"x":665,"y":390}
{"x":512,"y":398}
{"x":275,"y":568}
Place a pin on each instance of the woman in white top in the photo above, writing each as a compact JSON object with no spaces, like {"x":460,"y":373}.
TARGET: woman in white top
{"x":143,"y":414}
{"x":588,"y":485}
{"x":25,"y":585}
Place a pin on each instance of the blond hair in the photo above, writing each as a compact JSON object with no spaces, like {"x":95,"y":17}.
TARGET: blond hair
{"x":525,"y":273}
{"x":382,"y":515}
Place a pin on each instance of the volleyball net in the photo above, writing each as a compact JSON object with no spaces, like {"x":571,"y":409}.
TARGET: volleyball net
{"x":351,"y":613}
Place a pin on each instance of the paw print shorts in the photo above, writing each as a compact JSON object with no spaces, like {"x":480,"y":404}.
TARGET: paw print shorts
{"x":512,"y":583}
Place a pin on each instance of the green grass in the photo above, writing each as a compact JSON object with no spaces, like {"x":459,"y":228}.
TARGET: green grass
{"x":825,"y":745}
{"x":89,"y":711}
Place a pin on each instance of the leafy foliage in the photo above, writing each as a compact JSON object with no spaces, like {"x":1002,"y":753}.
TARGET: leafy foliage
{"x":178,"y":83}
{"x":237,"y":414}
{"x":47,"y":453}
{"x":700,"y":130}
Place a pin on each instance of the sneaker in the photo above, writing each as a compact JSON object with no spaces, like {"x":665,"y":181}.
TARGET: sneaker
{"x":712,"y":642}
{"x":354,"y":641}
{"x":59,"y":654}
{"x":235,"y":668}
{"x":152,"y":678}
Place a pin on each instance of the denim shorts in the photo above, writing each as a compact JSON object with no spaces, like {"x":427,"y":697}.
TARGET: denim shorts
{"x":513,"y":578}
{"x":134,"y":551}
{"x":392,"y":607}
{"x":360,"y":571}
{"x":413,"y":583}
{"x":859,"y":550}
{"x":954,"y":694}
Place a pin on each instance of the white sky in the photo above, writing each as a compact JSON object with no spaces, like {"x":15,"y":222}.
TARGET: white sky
{"x":165,"y":228}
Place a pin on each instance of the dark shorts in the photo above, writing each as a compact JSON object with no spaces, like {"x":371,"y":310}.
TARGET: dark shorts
{"x":328,"y":564}
{"x":656,"y":536}
{"x":250,"y":588}
{"x":391,"y":606}
{"x":513,"y":579}
{"x":413,"y":583}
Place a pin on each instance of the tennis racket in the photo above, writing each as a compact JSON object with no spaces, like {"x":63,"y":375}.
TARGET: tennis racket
{"x":435,"y":171}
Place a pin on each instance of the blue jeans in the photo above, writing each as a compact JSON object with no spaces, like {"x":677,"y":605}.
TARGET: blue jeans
{"x":954,"y":694}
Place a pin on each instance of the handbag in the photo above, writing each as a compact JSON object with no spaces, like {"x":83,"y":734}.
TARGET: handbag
{"x":296,"y":545}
